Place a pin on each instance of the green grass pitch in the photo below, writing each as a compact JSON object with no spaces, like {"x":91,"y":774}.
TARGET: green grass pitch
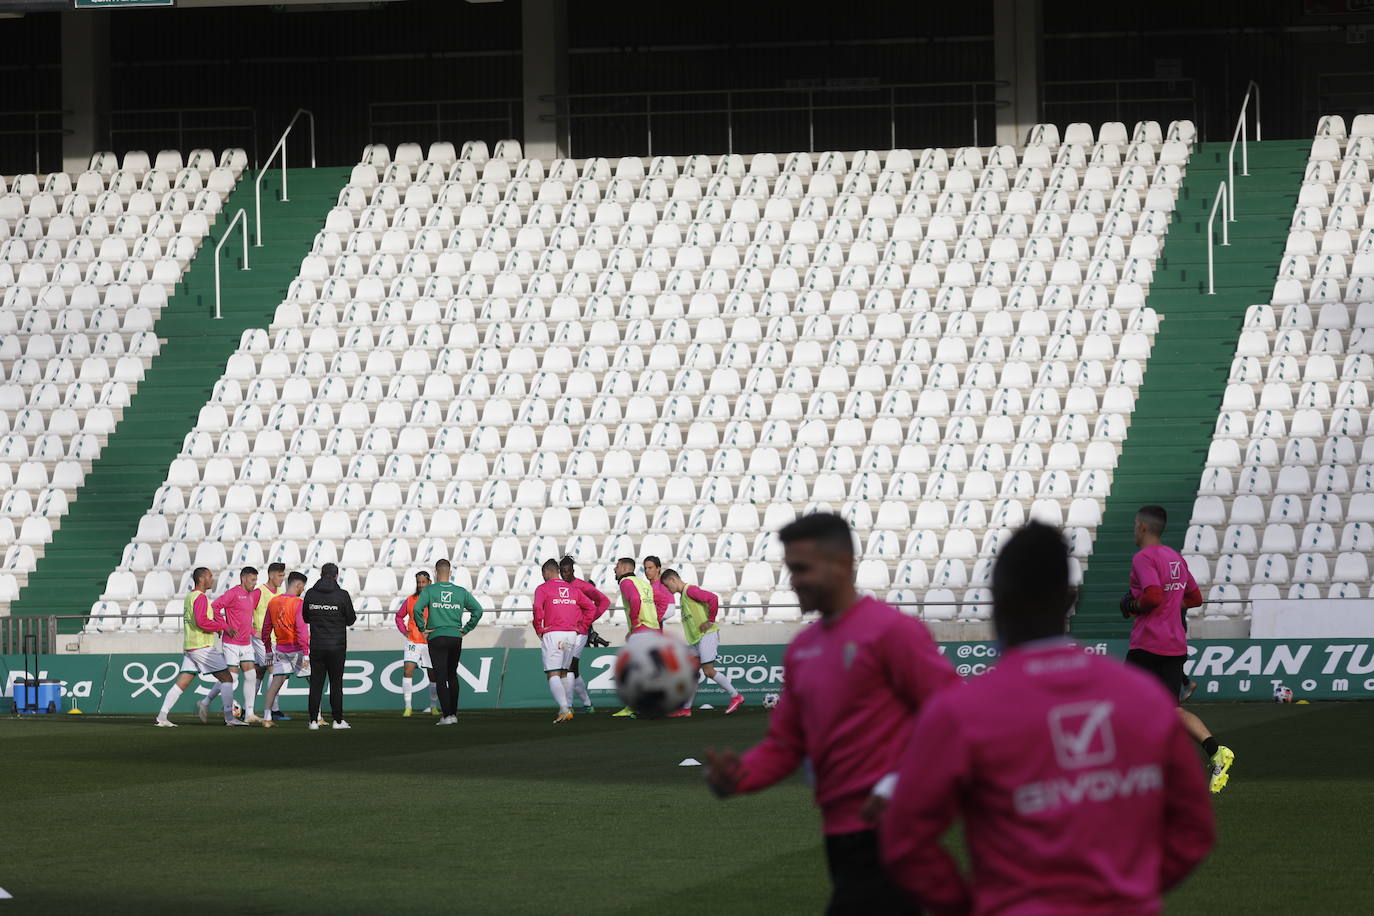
{"x":508,"y":814}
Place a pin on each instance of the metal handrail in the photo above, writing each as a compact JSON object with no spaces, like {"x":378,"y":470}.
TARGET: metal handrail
{"x":1239,"y":133}
{"x":1221,"y":198}
{"x":240,"y":215}
{"x":267,"y":164}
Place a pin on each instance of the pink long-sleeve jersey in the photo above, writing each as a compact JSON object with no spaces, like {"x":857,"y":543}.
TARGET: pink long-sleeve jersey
{"x":560,"y":607}
{"x":601,"y":602}
{"x":663,"y":599}
{"x":1079,"y":789}
{"x":851,"y":689}
{"x":237,"y":607}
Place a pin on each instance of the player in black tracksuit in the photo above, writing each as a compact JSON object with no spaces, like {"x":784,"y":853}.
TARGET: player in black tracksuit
{"x":328,"y":610}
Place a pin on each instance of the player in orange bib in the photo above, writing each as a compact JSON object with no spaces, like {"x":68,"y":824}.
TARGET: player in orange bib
{"x":284,"y":628}
{"x":417,"y":647}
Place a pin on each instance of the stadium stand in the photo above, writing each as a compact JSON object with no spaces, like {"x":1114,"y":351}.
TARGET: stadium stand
{"x":1285,"y":507}
{"x":87,"y":263}
{"x":498,"y":361}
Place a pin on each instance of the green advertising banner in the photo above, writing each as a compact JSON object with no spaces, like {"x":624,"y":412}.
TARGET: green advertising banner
{"x":1224,"y":669}
{"x":115,"y":4}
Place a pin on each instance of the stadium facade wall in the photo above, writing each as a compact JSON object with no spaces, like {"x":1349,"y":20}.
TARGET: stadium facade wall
{"x":497,"y":678}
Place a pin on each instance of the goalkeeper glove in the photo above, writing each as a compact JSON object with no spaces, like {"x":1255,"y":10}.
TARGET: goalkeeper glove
{"x":1129,"y":608}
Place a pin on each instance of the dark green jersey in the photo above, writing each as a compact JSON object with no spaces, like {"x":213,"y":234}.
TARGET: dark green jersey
{"x":439,"y":610}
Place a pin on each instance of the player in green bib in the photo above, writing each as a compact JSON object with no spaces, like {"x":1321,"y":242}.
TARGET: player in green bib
{"x":641,"y":615}
{"x":699,"y":611}
{"x":200,"y":655}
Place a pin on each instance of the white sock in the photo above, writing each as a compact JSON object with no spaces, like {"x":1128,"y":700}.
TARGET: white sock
{"x":406,"y":688}
{"x":433,"y":695}
{"x":250,"y":692}
{"x":173,"y":694}
{"x":581,"y":687}
{"x":205,"y":700}
{"x":226,"y":696}
{"x":560,"y":696}
{"x":720,"y":678}
{"x":569,"y":688}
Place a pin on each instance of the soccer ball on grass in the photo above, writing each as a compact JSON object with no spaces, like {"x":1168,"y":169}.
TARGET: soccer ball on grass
{"x":1283,"y":694}
{"x":655,"y":673}
{"x":770,"y":700}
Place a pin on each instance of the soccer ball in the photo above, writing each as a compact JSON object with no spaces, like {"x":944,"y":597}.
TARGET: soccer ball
{"x":655,"y":673}
{"x":1283,"y":694}
{"x":238,"y":710}
{"x":770,"y":700}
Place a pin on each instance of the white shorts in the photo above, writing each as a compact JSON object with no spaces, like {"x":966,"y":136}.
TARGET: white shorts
{"x":289,"y":663}
{"x":208,"y":660}
{"x":417,"y":653}
{"x":558,"y":649}
{"x":579,"y":645}
{"x":235,"y":656}
{"x":260,"y":653}
{"x":708,"y":647}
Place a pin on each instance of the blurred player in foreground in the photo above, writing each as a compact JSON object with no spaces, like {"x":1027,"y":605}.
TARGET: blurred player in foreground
{"x":852,"y":685}
{"x":1078,"y":788}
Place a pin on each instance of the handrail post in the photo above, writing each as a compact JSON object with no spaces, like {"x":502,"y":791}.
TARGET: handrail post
{"x":240,"y":215}
{"x":1221,"y":199}
{"x":267,"y":166}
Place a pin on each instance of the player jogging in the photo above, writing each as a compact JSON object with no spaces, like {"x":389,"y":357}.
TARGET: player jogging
{"x":699,"y":626}
{"x":200,"y":655}
{"x":417,"y":650}
{"x":573,"y":683}
{"x":1077,"y":786}
{"x":852,"y":685}
{"x":559,"y":608}
{"x":285,"y":629}
{"x":663,"y":599}
{"x":641,"y":614}
{"x":262,"y":647}
{"x":439,"y":608}
{"x":1161,"y":589}
{"x":239,"y":607}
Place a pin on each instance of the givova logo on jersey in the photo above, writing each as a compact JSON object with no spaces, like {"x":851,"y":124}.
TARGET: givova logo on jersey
{"x":1082,"y":735}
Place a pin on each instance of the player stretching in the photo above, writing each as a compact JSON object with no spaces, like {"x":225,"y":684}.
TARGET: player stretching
{"x":1078,"y":788}
{"x":699,"y":610}
{"x":663,"y":599}
{"x":262,"y":648}
{"x":573,"y":683}
{"x":285,"y":629}
{"x":641,"y":614}
{"x":852,"y":684}
{"x":238,"y":607}
{"x":1161,"y":589}
{"x":417,"y":650}
{"x":558,"y":610}
{"x":200,"y":655}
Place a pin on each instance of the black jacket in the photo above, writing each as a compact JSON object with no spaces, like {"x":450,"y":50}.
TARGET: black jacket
{"x":329,"y":612}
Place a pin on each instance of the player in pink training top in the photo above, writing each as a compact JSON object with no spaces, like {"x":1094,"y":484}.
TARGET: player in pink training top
{"x":1162,"y":589}
{"x":663,"y":599}
{"x":573,"y":683}
{"x":852,"y":685}
{"x":558,"y":610}
{"x":1078,"y":788}
{"x":237,"y":608}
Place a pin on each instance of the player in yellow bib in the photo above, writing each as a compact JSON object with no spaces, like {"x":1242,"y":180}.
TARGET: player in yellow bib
{"x":262,"y":649}
{"x":641,"y":615}
{"x":200,"y":654}
{"x":699,"y":611}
